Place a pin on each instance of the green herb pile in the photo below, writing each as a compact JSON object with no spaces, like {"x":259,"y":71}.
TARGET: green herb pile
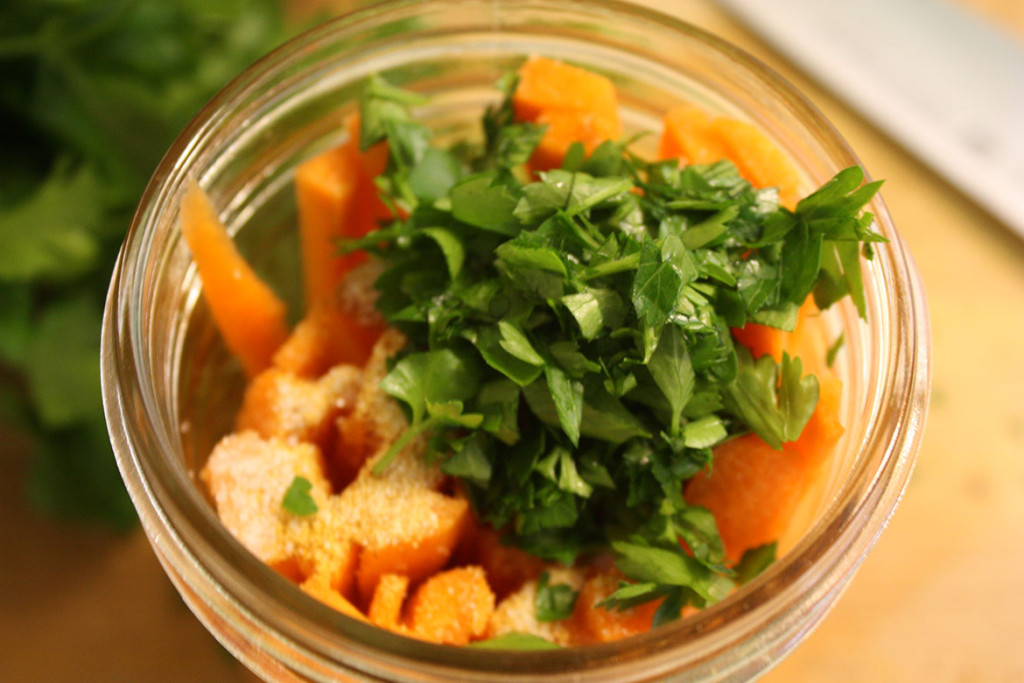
{"x":570,"y":352}
{"x":92,"y":93}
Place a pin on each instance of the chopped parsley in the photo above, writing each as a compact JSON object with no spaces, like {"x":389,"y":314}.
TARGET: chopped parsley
{"x":554,"y":601}
{"x":297,"y":499}
{"x":570,"y":351}
{"x":516,"y":641}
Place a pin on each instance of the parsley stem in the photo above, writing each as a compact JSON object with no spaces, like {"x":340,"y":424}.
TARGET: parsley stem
{"x":619,"y":265}
{"x":401,"y":442}
{"x":379,"y":236}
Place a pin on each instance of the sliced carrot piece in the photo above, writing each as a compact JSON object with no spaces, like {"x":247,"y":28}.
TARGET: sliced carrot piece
{"x":566,"y":127}
{"x":696,"y":138}
{"x":591,"y":623}
{"x":758,"y":159}
{"x":546,"y":83}
{"x":325,"y":192}
{"x":336,"y":197}
{"x":249,"y":315}
{"x":389,"y":596}
{"x":325,"y":556}
{"x":419,"y":557}
{"x":507,"y":567}
{"x":805,"y":341}
{"x":577,"y":105}
{"x":452,"y":607}
{"x":754,"y":489}
{"x":326,"y":337}
{"x":761,"y":339}
{"x":320,"y":588}
{"x":685,"y":136}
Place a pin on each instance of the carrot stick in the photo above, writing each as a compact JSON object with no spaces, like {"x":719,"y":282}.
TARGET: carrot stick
{"x":249,"y":315}
{"x":336,"y":198}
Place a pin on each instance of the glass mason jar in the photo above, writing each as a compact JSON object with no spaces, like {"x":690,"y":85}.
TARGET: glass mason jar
{"x":170,"y":388}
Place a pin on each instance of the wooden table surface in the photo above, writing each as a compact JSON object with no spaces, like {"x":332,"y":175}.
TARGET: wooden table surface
{"x":939,"y":599}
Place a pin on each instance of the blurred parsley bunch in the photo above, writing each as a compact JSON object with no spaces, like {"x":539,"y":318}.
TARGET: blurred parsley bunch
{"x":92,"y":92}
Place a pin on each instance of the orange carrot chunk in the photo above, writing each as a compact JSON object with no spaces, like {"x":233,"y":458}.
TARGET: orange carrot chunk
{"x":546,"y":84}
{"x":576,"y":105}
{"x":325,"y":190}
{"x":761,"y":340}
{"x":685,"y":137}
{"x":805,"y":342}
{"x":321,"y":589}
{"x":386,"y":607}
{"x":326,"y":337}
{"x":758,"y":159}
{"x":416,"y":558}
{"x":753,"y":489}
{"x":591,"y":623}
{"x":692,"y":136}
{"x":566,"y":127}
{"x":452,"y":607}
{"x":336,"y":197}
{"x":249,"y":315}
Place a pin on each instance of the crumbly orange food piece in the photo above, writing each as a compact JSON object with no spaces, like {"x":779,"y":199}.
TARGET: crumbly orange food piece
{"x":451,"y":607}
{"x":388,"y":599}
{"x":399,"y":519}
{"x":247,"y":476}
{"x":279,"y":404}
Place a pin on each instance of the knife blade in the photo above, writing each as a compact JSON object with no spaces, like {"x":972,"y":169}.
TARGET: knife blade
{"x":938,"y":79}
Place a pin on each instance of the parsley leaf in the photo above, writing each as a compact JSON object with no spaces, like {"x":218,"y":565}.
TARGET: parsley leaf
{"x":431,"y":377}
{"x":776,"y":410}
{"x":297,"y":499}
{"x":52,"y":235}
{"x":755,"y":561}
{"x":553,"y":602}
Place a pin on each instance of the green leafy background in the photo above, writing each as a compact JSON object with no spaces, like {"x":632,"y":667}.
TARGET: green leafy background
{"x":92,"y":92}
